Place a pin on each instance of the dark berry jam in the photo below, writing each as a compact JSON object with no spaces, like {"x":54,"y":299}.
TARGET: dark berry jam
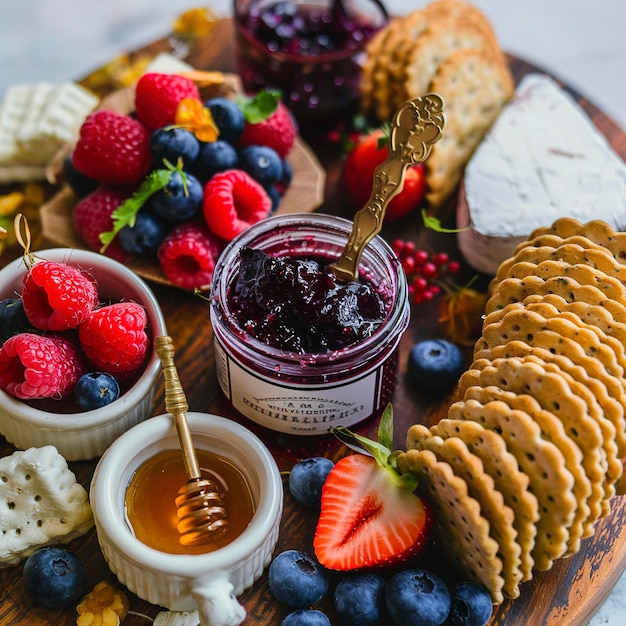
{"x":307,"y":50}
{"x":298,"y":305}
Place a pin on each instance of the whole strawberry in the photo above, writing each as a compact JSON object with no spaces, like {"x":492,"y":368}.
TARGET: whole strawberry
{"x":57,"y":296}
{"x":39,"y":366}
{"x":92,"y":216}
{"x":268,"y":123}
{"x":358,"y":177}
{"x":157,"y":97}
{"x":112,"y":149}
{"x":114,"y":338}
{"x":187,"y":255}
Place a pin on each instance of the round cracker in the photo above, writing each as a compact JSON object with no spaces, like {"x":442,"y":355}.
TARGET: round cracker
{"x":508,"y":478}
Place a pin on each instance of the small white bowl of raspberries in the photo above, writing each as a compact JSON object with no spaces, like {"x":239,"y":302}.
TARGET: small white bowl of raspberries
{"x":77,"y":367}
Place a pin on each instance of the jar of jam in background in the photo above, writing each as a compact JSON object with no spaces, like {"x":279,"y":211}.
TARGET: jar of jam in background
{"x":310,"y":50}
{"x":307,"y":393}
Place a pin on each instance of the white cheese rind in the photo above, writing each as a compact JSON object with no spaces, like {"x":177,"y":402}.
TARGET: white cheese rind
{"x":542,"y":159}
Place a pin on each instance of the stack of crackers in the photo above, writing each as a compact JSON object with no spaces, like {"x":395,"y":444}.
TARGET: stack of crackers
{"x":530,"y":454}
{"x":448,"y":48}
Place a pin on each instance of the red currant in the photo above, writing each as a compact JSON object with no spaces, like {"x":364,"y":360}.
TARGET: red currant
{"x":420,"y":256}
{"x":440,"y":258}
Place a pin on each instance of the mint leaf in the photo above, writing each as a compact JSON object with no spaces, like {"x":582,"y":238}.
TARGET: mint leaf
{"x":126,"y":213}
{"x":261,"y":106}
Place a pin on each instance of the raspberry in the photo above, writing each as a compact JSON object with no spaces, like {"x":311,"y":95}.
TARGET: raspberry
{"x":188,"y":254}
{"x":36,"y":366}
{"x":233,"y":200}
{"x":277,"y":131}
{"x":57,"y":296}
{"x":92,"y":216}
{"x":113,"y":148}
{"x":114,"y":338}
{"x":157,"y":97}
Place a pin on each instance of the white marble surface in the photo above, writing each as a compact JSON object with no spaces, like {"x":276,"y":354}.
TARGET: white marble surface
{"x":581,"y":42}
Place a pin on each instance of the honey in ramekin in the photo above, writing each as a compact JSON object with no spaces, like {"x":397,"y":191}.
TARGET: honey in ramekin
{"x":150,"y":500}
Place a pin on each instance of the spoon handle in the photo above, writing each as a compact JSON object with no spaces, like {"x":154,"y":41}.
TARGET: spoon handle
{"x":416,"y":126}
{"x":176,"y":404}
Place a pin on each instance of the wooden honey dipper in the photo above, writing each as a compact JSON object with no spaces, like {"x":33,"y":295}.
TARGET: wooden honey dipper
{"x":201,"y":511}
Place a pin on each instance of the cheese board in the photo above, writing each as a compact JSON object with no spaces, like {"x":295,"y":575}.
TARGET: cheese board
{"x":567,"y":594}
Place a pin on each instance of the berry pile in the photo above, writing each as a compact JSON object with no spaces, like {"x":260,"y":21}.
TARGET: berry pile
{"x":424,"y":270}
{"x":405,"y":595}
{"x":179,"y":178}
{"x":59,"y":338}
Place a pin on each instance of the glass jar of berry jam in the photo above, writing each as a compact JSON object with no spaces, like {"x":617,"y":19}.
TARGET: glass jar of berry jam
{"x":310,"y":50}
{"x":303,"y":376}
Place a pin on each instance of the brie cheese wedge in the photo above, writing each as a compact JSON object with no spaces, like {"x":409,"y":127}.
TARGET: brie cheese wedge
{"x":542,"y":159}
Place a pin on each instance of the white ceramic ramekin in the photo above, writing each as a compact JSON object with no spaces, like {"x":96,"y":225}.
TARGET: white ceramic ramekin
{"x":208,"y":582}
{"x":85,"y":435}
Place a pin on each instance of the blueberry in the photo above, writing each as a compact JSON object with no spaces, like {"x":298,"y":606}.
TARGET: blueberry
{"x":79,"y":183}
{"x":172,"y":143}
{"x":179,"y":200}
{"x":286,"y":176}
{"x":274,"y":195}
{"x":435,"y":365}
{"x":296,"y":579}
{"x":96,"y":389}
{"x":370,"y":609}
{"x":55,"y":577}
{"x":306,"y":479}
{"x":228,"y":118}
{"x":145,"y":236}
{"x":471,"y":605}
{"x":13,"y":319}
{"x":262,"y":163}
{"x":215,"y":156}
{"x":416,"y":597}
{"x":306,"y":617}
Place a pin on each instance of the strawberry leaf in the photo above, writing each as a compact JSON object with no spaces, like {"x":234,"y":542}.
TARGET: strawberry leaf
{"x":380,"y":450}
{"x":261,"y":106}
{"x":385,"y":428}
{"x":126,"y":213}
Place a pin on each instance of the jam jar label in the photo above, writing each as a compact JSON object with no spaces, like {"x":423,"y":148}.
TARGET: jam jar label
{"x":293,"y":407}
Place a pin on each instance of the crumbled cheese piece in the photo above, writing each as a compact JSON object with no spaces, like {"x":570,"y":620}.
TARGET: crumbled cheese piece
{"x":41,"y":503}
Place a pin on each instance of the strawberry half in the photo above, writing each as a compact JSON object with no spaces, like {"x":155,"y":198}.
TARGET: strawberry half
{"x":370,"y":516}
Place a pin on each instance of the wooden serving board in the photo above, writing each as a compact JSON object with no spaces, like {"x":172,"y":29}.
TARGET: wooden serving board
{"x":568,"y":594}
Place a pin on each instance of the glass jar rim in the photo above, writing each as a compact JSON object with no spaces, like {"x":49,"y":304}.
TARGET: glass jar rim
{"x":378,"y":249}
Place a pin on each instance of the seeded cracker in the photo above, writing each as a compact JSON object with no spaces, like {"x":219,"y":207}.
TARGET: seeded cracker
{"x":461,"y":530}
{"x":515,"y":290}
{"x":542,"y":461}
{"x":508,"y":479}
{"x":475,"y":87}
{"x":588,"y":494}
{"x":32,"y":482}
{"x":598,"y":231}
{"x":556,"y":334}
{"x":584,"y":274}
{"x":400,"y":44}
{"x":572,"y":253}
{"x":469,"y":467}
{"x":547,"y":311}
{"x":592,"y":432}
{"x":613,"y":410}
